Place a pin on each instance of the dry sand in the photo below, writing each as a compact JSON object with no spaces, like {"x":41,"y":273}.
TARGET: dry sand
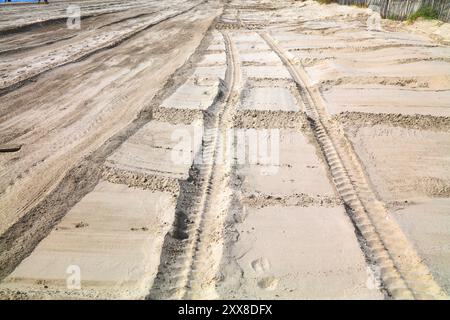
{"x":352,"y":203}
{"x":114,"y":236}
{"x":71,"y":111}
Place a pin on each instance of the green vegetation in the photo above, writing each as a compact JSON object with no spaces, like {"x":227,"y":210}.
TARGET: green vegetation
{"x":426,"y":12}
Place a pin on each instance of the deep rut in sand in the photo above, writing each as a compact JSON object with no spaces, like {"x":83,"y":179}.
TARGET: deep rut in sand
{"x":203,"y":203}
{"x":402,"y":271}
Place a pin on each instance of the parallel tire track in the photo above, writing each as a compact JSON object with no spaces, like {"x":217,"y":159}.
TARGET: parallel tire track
{"x":402,"y":271}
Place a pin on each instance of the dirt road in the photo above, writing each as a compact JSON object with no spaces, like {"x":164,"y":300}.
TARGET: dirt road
{"x":247,"y":149}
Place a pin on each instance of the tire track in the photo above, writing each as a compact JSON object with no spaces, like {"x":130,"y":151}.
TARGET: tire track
{"x":18,"y":81}
{"x":60,"y":16}
{"x":62,"y":22}
{"x":140,"y":15}
{"x":403,"y":273}
{"x":39,"y":45}
{"x":197,"y":236}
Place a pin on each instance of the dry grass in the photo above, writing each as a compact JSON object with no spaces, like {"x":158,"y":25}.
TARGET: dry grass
{"x":326,"y":1}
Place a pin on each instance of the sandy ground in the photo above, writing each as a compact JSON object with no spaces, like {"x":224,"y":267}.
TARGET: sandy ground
{"x":248,"y":149}
{"x":114,"y":236}
{"x":71,"y":111}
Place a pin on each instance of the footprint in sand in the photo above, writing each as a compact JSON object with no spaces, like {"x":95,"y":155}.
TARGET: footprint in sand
{"x":260,"y":265}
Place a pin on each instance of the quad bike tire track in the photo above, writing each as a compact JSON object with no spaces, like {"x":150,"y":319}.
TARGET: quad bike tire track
{"x":191,"y":273}
{"x":45,"y":23}
{"x":86,"y":13}
{"x":204,"y":263}
{"x":26,"y":48}
{"x":402,"y":271}
{"x":62,"y":22}
{"x":140,"y":15}
{"x":15,"y":84}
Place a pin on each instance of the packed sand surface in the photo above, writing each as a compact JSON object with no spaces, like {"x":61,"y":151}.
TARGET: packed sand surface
{"x":191,"y":149}
{"x":114,"y":235}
